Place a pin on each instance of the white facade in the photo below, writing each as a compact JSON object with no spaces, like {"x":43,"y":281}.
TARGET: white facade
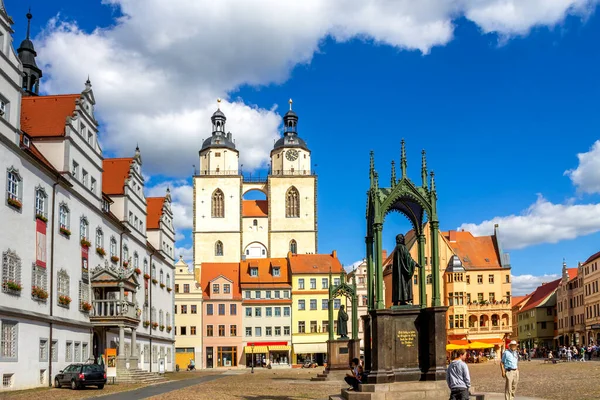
{"x":48,"y":311}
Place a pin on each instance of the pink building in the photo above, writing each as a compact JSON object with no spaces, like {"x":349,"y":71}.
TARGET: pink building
{"x":222,"y":315}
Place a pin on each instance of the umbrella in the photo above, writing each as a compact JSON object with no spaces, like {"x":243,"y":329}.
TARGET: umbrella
{"x":479,"y":345}
{"x":450,"y":347}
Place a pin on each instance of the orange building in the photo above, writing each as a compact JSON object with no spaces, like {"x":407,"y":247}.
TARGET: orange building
{"x":570,"y":307}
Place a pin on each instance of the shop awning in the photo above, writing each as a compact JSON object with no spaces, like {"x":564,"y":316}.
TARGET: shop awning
{"x":480,"y":345}
{"x":310,"y":348}
{"x":256,"y":350}
{"x":280,"y":348}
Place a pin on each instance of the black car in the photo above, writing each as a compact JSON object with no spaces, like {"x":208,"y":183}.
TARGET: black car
{"x":80,"y":375}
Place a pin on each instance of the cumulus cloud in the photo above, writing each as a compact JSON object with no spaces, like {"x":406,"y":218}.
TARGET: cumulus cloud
{"x":586,"y":177}
{"x":187,"y":253}
{"x":159,"y":68}
{"x":525,"y":284}
{"x":353,"y":266}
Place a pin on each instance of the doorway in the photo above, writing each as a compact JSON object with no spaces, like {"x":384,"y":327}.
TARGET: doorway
{"x":209,"y":357}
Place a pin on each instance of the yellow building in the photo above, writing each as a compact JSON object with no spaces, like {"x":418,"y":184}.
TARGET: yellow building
{"x":188,"y":316}
{"x":476,"y":285}
{"x":310,"y":296}
{"x":230,"y":224}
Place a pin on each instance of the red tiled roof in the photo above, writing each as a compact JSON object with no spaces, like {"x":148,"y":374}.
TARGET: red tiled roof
{"x":515,"y":300}
{"x":474,"y":251}
{"x":116,"y":171}
{"x":265,"y":271}
{"x":572,"y":272}
{"x":210,"y":271}
{"x":255,"y":208}
{"x":541,"y":294}
{"x":155,"y":210}
{"x":315,"y":263}
{"x":35,"y":152}
{"x":592,"y":257}
{"x":46,"y":116}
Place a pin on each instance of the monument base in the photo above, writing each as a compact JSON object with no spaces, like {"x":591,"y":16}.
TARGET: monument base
{"x":340,"y":352}
{"x":397,"y":391}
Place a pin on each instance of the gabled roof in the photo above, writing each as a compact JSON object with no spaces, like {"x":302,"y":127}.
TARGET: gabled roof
{"x":541,"y":294}
{"x":46,"y":116}
{"x":155,"y":211}
{"x":255,"y":208}
{"x":115,"y":172}
{"x":265,"y":271}
{"x":516,"y":300}
{"x":474,"y":251}
{"x":572,"y":272}
{"x":210,"y":271}
{"x":314,"y":263}
{"x":592,"y":257}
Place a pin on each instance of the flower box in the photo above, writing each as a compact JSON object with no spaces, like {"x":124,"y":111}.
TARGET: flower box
{"x":14,"y":203}
{"x":64,"y":300}
{"x":162,"y":328}
{"x":39,"y":293}
{"x":146,"y":276}
{"x":169,"y":290}
{"x":64,"y":231}
{"x":169,"y":328}
{"x":154,"y":325}
{"x":138,"y":271}
{"x":162,"y":285}
{"x":41,"y":217}
{"x":85,"y":243}
{"x":154,"y":281}
{"x":85,"y":306}
{"x":146,"y":324}
{"x":125,"y":264}
{"x":100,"y":251}
{"x":114,"y":259}
{"x":12,"y":285}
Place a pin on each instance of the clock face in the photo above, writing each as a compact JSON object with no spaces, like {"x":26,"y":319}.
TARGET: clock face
{"x":291,"y":155}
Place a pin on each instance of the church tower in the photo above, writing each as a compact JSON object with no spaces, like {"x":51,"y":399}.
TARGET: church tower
{"x":217,"y":197}
{"x":292,"y":198}
{"x":31,"y":73}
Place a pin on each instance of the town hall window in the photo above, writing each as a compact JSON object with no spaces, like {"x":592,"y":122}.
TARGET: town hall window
{"x":293,"y":247}
{"x":11,"y":272}
{"x":64,"y":216}
{"x":40,"y":202}
{"x":219,"y":248}
{"x":13,"y":186}
{"x":292,"y":203}
{"x":218,"y":207}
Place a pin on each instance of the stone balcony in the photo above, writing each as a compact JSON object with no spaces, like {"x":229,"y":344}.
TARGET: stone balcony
{"x":499,"y":307}
{"x":114,"y":312}
{"x":490,"y":329}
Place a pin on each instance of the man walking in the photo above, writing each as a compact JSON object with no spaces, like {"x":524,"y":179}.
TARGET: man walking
{"x":510,"y":360}
{"x":458,"y":378}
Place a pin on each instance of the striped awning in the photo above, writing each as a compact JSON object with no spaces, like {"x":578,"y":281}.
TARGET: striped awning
{"x":280,"y":348}
{"x":256,"y":350}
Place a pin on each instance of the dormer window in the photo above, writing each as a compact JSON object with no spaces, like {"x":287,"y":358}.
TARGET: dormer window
{"x":254,"y":271}
{"x":276,"y":271}
{"x":215,"y":288}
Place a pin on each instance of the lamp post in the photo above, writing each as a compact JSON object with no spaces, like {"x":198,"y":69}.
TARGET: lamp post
{"x":530,"y":343}
{"x":252,"y":357}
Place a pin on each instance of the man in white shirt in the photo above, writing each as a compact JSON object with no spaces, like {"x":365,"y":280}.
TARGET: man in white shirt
{"x":510,"y":372}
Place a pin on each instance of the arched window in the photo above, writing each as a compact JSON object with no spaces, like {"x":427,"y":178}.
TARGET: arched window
{"x":145,"y":266}
{"x":13,"y":184}
{"x":136,"y":260}
{"x":11,"y":271}
{"x":292,"y":203}
{"x":293,"y":247}
{"x":218,"y":206}
{"x":99,"y":238}
{"x":40,"y":202}
{"x":153,"y":271}
{"x":113,"y":247}
{"x":83,"y":228}
{"x":429,"y":279}
{"x":168,"y":280}
{"x":125,"y":253}
{"x":255,"y":223}
{"x":219,"y":248}
{"x":162,"y":276}
{"x":64,"y":216}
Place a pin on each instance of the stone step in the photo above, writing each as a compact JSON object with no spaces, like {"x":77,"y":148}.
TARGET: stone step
{"x":336,"y":397}
{"x":319,"y":379}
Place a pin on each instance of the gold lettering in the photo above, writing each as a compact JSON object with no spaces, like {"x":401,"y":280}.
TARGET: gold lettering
{"x":407,"y":338}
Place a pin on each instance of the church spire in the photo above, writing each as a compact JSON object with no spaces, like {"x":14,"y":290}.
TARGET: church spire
{"x":31,"y":73}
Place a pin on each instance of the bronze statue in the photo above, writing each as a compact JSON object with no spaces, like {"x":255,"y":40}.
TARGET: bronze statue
{"x":342,"y":323}
{"x":402,"y":273}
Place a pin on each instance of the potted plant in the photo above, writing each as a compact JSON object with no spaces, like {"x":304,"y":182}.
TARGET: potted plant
{"x":154,"y":280}
{"x":154,"y":325}
{"x":85,"y":243}
{"x":85,"y":306}
{"x":146,"y":323}
{"x":65,"y":231}
{"x":169,"y":328}
{"x":125,"y":264}
{"x":14,"y":203}
{"x":39,"y":293}
{"x":138,"y":271}
{"x":41,"y":217}
{"x":114,"y":259}
{"x":64,"y":300}
{"x":169,"y":289}
{"x":100,"y":251}
{"x":13,"y":286}
{"x":146,"y":276}
{"x":162,"y":327}
{"x":162,"y":285}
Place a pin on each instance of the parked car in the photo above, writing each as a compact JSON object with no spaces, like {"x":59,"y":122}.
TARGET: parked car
{"x":80,"y":375}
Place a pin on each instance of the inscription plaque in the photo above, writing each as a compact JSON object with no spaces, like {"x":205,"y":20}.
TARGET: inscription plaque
{"x":407,"y":338}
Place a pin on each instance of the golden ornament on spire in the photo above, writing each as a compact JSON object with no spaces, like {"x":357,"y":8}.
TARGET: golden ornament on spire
{"x":290,"y":104}
{"x":219,"y":103}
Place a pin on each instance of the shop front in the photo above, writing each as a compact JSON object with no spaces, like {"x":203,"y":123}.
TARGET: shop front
{"x":263,"y":354}
{"x":310,"y":352}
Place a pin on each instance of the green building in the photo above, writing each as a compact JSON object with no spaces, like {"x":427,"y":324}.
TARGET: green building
{"x":537,"y":317}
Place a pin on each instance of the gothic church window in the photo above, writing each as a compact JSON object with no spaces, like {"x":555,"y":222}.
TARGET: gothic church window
{"x":219,"y":248}
{"x":293,"y":247}
{"x":218,"y":207}
{"x":292,"y":203}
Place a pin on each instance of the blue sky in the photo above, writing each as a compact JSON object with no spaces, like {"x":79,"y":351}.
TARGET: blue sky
{"x":502,"y":114}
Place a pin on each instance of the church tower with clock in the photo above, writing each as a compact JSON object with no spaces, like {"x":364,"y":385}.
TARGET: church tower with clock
{"x":230,"y":228}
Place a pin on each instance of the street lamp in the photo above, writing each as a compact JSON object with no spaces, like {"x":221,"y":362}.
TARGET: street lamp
{"x":252,"y":357}
{"x":530,"y":343}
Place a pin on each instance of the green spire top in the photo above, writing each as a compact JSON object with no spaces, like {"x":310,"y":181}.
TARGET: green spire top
{"x":424,"y":169}
{"x":403,"y":159}
{"x":432,"y":181}
{"x":393,"y":180}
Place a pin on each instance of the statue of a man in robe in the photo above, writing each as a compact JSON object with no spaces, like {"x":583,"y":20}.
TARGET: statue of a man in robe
{"x":403,"y":270}
{"x":342,"y":323}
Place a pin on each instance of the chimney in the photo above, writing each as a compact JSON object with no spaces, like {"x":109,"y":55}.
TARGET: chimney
{"x":452,"y":236}
{"x":384,"y":255}
{"x":334,"y":254}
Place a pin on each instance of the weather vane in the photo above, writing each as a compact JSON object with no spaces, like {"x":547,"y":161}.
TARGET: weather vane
{"x":290,"y":104}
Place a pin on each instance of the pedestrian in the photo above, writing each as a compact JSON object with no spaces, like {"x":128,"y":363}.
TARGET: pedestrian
{"x":510,"y":372}
{"x":353,"y":379}
{"x":458,"y":378}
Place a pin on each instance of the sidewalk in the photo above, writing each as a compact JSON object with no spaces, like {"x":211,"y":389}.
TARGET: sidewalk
{"x":500,"y":396}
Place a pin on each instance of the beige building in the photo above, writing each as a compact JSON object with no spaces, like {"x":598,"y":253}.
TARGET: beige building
{"x":570,"y":307}
{"x":228,"y":227}
{"x":360,"y":274}
{"x":591,"y":274}
{"x":188,"y":316}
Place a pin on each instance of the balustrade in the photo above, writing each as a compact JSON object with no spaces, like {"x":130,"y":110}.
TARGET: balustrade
{"x":113,"y":309}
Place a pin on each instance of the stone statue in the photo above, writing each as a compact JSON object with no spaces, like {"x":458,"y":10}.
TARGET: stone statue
{"x":402,"y":273}
{"x":342,"y":323}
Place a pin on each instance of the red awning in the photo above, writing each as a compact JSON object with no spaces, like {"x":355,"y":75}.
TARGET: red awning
{"x":267,"y":344}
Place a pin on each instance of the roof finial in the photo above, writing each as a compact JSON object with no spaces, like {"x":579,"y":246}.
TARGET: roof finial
{"x":290,"y":101}
{"x":29,"y":16}
{"x":393,"y":173}
{"x":88,"y":83}
{"x":219,"y":103}
{"x":432,"y":181}
{"x":424,"y":169}
{"x":403,"y":159}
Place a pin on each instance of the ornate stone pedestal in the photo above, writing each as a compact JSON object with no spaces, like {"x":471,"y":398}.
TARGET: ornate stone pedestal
{"x":340,"y":352}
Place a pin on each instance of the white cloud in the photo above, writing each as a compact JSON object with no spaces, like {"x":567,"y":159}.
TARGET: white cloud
{"x":158,"y":70}
{"x":351,"y":267}
{"x":181,"y":202}
{"x":187,"y":253}
{"x":586,"y":177}
{"x":525,"y":284}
